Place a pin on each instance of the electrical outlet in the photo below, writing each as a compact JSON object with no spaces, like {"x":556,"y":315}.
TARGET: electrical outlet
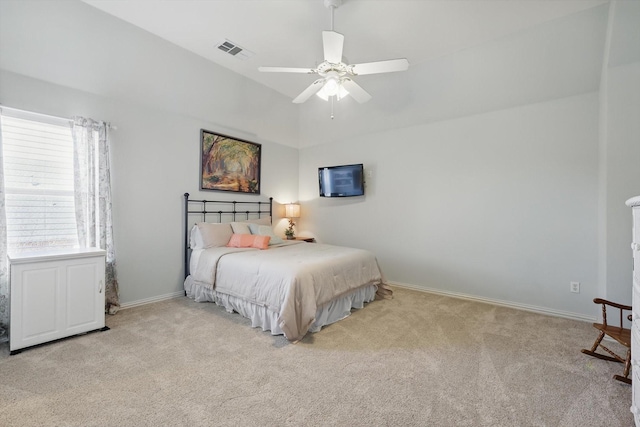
{"x":575,"y":287}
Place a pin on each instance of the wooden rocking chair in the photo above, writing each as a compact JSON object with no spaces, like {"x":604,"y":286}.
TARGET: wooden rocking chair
{"x":618,"y":333}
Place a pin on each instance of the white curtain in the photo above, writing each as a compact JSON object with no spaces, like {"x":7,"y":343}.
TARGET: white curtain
{"x":92,"y":187}
{"x":4,"y":272}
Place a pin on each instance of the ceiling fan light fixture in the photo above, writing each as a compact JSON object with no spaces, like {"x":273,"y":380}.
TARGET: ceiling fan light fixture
{"x":322,"y":95}
{"x":342,"y":92}
{"x":332,"y":87}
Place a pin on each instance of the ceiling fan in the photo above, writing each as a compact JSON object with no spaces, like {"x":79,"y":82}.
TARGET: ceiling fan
{"x":336,"y":77}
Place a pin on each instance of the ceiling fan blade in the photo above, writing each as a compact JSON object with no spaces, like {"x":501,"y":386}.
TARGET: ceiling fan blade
{"x":389,"y":66}
{"x":332,"y":43}
{"x":356,"y":91}
{"x":287,"y":70}
{"x":309,"y":91}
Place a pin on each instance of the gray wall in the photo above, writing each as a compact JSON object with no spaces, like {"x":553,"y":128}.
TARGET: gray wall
{"x":498,"y":172}
{"x":501,"y":205}
{"x":619,"y":155}
{"x":620,"y":149}
{"x":81,"y":61}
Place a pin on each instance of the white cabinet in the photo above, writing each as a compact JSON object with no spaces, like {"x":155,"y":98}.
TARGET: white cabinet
{"x":55,"y":294}
{"x":634,"y":203}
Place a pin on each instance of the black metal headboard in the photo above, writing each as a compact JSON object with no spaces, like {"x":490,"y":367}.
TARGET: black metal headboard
{"x":222,"y":208}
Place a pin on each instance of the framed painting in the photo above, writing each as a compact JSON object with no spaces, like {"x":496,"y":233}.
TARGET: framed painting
{"x":229,"y":164}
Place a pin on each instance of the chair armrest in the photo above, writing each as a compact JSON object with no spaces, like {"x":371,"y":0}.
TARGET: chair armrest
{"x":612,"y":304}
{"x":606,"y":303}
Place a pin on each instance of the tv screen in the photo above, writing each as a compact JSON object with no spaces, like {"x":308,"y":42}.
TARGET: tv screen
{"x":341,"y":181}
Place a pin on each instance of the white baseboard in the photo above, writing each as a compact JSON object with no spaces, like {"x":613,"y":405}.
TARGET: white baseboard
{"x":525,"y":307}
{"x":518,"y":306}
{"x":151,"y":300}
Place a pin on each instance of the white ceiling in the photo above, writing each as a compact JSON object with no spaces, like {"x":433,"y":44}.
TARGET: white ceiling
{"x":288,"y":32}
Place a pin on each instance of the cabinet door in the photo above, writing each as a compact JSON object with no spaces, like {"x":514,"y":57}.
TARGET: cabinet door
{"x":35,"y":304}
{"x":635,"y":330}
{"x":84,"y":305}
{"x":635,"y":241}
{"x":636,"y":224}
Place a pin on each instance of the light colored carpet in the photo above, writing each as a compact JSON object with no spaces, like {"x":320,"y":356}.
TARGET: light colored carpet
{"x":419,"y":359}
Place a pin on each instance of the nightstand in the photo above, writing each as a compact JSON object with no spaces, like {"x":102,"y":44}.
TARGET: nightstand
{"x":306,"y":239}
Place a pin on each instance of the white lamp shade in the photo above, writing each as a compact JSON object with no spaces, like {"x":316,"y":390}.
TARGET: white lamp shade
{"x":292,"y":210}
{"x":332,"y":87}
{"x":332,"y":90}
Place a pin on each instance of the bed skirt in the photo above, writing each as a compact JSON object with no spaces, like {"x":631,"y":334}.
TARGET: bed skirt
{"x":267,"y":319}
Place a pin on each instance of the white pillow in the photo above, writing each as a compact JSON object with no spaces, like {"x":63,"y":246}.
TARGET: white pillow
{"x":240,"y":228}
{"x":265,"y":230}
{"x":212,"y":235}
{"x":195,"y":239}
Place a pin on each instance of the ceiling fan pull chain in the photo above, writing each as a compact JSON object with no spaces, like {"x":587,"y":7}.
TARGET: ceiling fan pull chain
{"x":332,"y":107}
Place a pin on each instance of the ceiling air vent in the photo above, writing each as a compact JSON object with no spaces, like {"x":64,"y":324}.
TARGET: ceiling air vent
{"x":233,"y":49}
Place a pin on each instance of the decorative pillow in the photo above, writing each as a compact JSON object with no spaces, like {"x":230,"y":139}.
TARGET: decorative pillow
{"x":240,"y":228}
{"x":265,"y":230}
{"x":260,"y":221}
{"x":195,"y":240}
{"x":248,"y":241}
{"x":213,"y":235}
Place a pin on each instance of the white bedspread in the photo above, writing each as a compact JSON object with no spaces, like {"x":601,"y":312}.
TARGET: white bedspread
{"x":292,"y":280}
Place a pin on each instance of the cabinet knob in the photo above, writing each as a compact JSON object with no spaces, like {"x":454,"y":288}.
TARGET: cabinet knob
{"x":101,"y":285}
{"x":635,"y":246}
{"x":634,"y":410}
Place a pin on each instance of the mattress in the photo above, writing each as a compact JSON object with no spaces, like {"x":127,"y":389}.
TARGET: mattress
{"x":288,"y":289}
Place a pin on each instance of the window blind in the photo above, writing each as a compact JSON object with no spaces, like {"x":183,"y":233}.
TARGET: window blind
{"x":38,"y":179}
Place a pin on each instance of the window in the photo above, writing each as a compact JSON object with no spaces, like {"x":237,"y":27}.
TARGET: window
{"x":38,"y":179}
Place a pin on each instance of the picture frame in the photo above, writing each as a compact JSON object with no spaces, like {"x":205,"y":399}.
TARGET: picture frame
{"x":229,"y":164}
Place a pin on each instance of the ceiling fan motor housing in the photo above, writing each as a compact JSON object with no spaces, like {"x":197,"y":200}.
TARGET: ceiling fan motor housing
{"x":326,"y":67}
{"x":333,"y":3}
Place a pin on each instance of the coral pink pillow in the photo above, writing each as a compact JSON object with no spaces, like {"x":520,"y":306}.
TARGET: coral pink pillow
{"x":249,"y":241}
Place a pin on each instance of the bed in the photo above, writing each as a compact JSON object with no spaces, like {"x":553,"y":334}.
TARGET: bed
{"x":290,"y":288}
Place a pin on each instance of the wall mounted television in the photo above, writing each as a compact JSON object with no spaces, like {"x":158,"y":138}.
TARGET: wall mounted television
{"x":341,"y":181}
